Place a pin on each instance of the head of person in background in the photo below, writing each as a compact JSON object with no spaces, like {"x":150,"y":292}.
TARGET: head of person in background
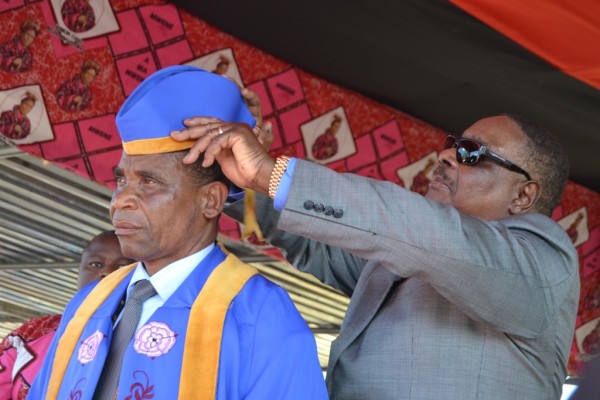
{"x":101,"y":256}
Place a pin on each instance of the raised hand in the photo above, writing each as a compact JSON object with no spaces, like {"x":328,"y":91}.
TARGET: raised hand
{"x":234,"y":146}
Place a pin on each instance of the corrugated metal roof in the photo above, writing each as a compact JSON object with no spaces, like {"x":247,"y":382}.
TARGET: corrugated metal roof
{"x":48,"y":214}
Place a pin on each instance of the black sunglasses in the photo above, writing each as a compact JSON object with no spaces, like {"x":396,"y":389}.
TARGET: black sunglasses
{"x":469,"y":152}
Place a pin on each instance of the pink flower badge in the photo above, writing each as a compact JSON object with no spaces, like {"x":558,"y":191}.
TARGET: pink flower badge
{"x":89,"y":348}
{"x":154,"y":339}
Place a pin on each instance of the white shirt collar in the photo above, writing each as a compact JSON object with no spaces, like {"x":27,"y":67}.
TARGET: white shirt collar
{"x":168,"y":279}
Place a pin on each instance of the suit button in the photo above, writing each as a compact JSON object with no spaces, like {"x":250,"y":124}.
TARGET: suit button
{"x":337,"y":213}
{"x":309,"y":205}
{"x":328,"y":210}
{"x":319,"y":207}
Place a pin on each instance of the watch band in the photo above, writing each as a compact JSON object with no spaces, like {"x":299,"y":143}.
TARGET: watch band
{"x":278,"y":170}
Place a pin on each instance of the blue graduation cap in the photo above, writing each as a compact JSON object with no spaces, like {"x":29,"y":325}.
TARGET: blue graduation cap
{"x":164,"y":99}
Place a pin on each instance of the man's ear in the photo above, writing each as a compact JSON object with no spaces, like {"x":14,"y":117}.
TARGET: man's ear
{"x":525,"y":198}
{"x":216,"y":194}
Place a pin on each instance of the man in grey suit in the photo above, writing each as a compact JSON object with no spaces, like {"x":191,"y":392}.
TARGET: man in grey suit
{"x":468,"y":293}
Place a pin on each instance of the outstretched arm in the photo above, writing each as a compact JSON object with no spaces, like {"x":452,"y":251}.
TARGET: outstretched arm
{"x":331,"y":265}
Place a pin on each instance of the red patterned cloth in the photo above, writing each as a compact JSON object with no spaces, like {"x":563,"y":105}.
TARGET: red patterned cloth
{"x":325,"y":146}
{"x":12,"y":50}
{"x":74,"y":95}
{"x":591,"y":343}
{"x":420,"y":183}
{"x":22,"y":353}
{"x":78,"y":15}
{"x":14,"y":125}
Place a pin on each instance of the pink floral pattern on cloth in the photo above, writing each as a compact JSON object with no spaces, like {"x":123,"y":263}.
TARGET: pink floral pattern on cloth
{"x":154,"y":339}
{"x":89,"y":348}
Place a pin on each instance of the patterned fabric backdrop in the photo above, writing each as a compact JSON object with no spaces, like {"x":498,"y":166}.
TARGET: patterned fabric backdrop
{"x":67,"y":65}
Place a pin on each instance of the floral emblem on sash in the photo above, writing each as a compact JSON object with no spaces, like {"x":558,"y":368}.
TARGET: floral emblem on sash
{"x":89,"y":348}
{"x":154,"y":339}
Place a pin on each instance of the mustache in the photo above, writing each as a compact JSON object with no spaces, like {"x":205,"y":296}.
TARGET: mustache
{"x":439,"y":173}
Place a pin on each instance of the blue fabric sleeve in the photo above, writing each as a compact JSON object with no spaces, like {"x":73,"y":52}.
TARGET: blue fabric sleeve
{"x":235,"y":194}
{"x":279,"y":357}
{"x":284,"y":186}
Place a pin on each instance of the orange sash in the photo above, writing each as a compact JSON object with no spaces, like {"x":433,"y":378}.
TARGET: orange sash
{"x":202,"y":349}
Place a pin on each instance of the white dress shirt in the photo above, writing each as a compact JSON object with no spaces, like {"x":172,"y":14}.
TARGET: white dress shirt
{"x":165,"y":281}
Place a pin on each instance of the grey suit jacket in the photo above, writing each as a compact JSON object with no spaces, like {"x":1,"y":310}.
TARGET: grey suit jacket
{"x":443,"y":305}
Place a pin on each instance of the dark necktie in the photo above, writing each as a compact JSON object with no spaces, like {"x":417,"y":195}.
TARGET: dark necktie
{"x":109,"y":379}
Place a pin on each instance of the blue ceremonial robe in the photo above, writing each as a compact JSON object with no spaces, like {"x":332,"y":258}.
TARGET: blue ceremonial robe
{"x":267,"y":350}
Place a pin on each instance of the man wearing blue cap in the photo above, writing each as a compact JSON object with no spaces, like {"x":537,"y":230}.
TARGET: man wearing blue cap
{"x":188,"y":321}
